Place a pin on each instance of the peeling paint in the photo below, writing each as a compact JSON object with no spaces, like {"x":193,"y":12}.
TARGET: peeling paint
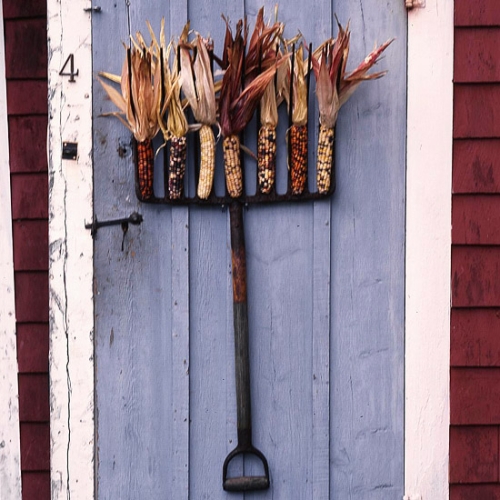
{"x":70,"y":255}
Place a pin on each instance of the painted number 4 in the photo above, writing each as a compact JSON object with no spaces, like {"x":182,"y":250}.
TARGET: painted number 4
{"x":64,"y":70}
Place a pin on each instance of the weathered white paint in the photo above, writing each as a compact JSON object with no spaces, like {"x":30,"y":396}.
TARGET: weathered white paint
{"x":71,"y":254}
{"x":428,"y":250}
{"x":10,"y":469}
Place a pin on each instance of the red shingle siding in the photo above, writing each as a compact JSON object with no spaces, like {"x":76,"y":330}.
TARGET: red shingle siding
{"x":474,"y":454}
{"x":476,"y":168}
{"x":477,"y":13}
{"x":475,"y":492}
{"x":475,"y":337}
{"x":25,"y":26}
{"x":475,"y":276}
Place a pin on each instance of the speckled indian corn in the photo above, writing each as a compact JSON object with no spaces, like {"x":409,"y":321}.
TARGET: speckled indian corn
{"x":145,"y":168}
{"x":298,"y":159}
{"x":325,"y":158}
{"x":178,"y":146}
{"x":266,"y":158}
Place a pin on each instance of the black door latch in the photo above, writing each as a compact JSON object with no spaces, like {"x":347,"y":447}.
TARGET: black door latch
{"x":134,"y":218}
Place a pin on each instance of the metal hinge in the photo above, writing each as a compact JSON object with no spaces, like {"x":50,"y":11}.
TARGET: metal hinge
{"x":415,"y":4}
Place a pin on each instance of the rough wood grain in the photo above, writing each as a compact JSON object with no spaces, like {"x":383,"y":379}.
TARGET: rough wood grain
{"x":476,"y":219}
{"x":475,"y":276}
{"x":476,"y":166}
{"x":475,"y":398}
{"x":476,"y":56}
{"x":475,"y":337}
{"x":477,"y":13}
{"x":476,"y":112}
{"x":290,"y":295}
{"x":473,"y":491}
{"x":474,"y":454}
{"x":367,"y":257}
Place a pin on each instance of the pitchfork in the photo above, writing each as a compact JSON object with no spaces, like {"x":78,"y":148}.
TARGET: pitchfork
{"x":240,"y":308}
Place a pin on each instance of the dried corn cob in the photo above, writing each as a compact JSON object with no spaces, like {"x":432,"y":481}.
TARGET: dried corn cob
{"x":232,"y":166}
{"x":207,"y":161}
{"x":325,"y":158}
{"x":138,"y":105}
{"x":297,"y":101}
{"x":199,"y":89}
{"x":145,"y":168}
{"x":177,"y":166}
{"x":175,"y":127}
{"x":333,"y":88}
{"x":298,"y":158}
{"x":237,"y":105}
{"x":266,"y":158}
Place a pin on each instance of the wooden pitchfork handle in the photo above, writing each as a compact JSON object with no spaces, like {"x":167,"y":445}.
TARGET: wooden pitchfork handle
{"x":242,"y":362}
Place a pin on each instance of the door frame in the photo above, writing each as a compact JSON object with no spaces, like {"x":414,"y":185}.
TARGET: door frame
{"x":71,"y":355}
{"x":428,"y":251}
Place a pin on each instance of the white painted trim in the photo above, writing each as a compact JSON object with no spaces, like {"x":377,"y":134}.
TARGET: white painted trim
{"x":71,"y":254}
{"x":428,"y":249}
{"x":10,"y":462}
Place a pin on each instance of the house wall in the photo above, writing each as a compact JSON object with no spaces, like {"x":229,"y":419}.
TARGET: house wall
{"x":25,"y":26}
{"x":475,"y":315}
{"x":475,"y":338}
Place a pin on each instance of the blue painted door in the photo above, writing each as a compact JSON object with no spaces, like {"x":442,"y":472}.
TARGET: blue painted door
{"x":325,"y":292}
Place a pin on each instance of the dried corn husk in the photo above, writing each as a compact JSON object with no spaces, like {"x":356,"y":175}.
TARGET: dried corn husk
{"x":333,"y":85}
{"x":197,"y":82}
{"x":140,"y":84}
{"x":299,"y":99}
{"x":237,"y":105}
{"x":328,"y":61}
{"x":350,"y":82}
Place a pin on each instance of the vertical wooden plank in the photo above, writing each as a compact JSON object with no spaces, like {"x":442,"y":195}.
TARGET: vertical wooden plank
{"x":321,"y":350}
{"x":70,"y":253}
{"x":133,"y":301}
{"x":428,"y":248}
{"x":180,"y":319}
{"x":367,"y":276}
{"x":322,"y":232}
{"x":10,"y":462}
{"x":213,"y":403}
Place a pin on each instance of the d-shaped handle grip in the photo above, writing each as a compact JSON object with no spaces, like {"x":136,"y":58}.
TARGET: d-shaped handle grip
{"x":245,"y":483}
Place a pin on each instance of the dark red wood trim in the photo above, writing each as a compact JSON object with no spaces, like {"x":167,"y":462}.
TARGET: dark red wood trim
{"x":33,"y":347}
{"x":474,"y":491}
{"x":476,"y":111}
{"x":474,"y":454}
{"x":475,"y":278}
{"x":477,"y":58}
{"x":475,"y":337}
{"x":476,"y":396}
{"x":35,"y":447}
{"x":28,"y":144}
{"x":29,"y":193}
{"x":477,"y":13}
{"x":34,"y":397}
{"x":476,"y":219}
{"x":476,"y":166}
